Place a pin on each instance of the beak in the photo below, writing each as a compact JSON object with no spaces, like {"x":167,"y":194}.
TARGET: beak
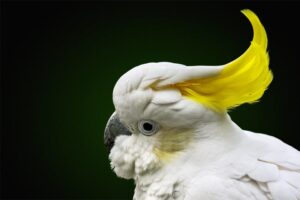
{"x":113,"y":129}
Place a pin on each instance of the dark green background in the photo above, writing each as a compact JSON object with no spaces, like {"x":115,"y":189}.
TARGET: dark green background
{"x":60,"y":62}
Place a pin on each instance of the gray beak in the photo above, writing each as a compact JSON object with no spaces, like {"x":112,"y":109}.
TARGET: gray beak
{"x":113,"y":129}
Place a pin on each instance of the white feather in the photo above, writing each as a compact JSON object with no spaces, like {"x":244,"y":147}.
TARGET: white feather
{"x":166,"y":96}
{"x":219,"y":161}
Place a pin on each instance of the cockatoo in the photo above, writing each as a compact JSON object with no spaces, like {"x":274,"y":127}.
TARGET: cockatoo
{"x":171,"y":133}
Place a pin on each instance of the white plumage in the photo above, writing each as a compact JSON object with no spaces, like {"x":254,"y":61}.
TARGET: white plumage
{"x":198,"y":153}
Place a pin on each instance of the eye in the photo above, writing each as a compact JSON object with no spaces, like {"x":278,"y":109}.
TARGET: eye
{"x":148,"y":127}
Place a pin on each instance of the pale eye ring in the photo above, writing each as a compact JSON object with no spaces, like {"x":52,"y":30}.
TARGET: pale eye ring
{"x":148,"y":127}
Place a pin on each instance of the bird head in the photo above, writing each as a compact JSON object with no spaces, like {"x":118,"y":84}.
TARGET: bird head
{"x":160,"y":107}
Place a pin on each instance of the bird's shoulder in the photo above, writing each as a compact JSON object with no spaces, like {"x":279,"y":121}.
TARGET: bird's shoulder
{"x":261,"y":167}
{"x":276,"y":167}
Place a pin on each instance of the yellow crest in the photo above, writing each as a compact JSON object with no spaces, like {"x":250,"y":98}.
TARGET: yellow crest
{"x":243,"y":80}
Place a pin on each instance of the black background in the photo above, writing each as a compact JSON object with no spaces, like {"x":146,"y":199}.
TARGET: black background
{"x":49,"y":63}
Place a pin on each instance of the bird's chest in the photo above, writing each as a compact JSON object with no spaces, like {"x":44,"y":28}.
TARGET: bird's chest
{"x":159,"y":190}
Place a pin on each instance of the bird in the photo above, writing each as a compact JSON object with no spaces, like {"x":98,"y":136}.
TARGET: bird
{"x":172,"y":134}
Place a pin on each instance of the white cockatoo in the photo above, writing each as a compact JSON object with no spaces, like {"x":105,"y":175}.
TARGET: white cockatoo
{"x":171,"y":132}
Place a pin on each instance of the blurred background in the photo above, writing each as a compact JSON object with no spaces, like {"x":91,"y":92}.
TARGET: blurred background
{"x":60,"y":62}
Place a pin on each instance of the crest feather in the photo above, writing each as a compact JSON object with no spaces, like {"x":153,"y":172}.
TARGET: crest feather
{"x":243,"y":80}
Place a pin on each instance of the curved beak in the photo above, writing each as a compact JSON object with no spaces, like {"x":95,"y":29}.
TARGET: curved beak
{"x":113,"y":129}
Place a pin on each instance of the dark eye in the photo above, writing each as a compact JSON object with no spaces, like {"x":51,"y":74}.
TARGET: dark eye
{"x":148,"y":127}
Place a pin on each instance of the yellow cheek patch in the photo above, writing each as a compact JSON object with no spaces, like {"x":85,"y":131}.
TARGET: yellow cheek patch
{"x":170,"y":143}
{"x":243,"y":80}
{"x":164,"y":155}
